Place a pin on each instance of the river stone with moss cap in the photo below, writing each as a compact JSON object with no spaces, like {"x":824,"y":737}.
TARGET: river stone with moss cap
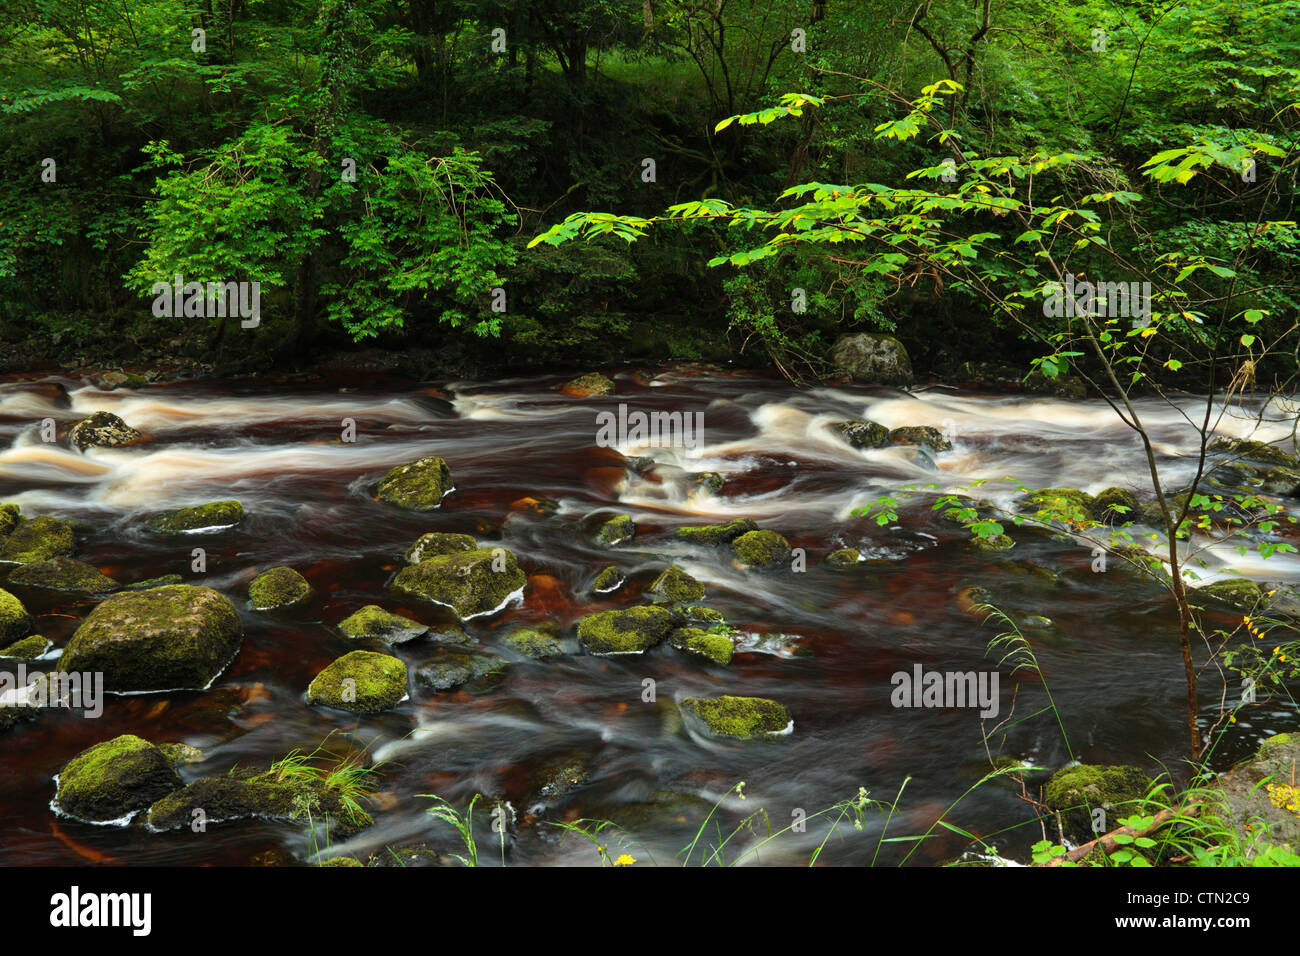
{"x":446,"y":669}
{"x":716,"y":534}
{"x":148,"y":583}
{"x":613,"y":530}
{"x":761,"y":549}
{"x":8,"y":519}
{"x":15,"y":622}
{"x":535,"y":643}
{"x":439,"y":542}
{"x":1243,"y":594}
{"x":843,"y":559}
{"x":278,"y":588}
{"x":1066,"y":501}
{"x":585,"y":386}
{"x":363,"y":682}
{"x":610,"y":579}
{"x":420,"y":485}
{"x":114,"y":780}
{"x":743,"y":717}
{"x":64,"y":574}
{"x":103,"y":429}
{"x":28,"y":649}
{"x":178,"y":637}
{"x":872,"y":357}
{"x":926,"y":436}
{"x":1076,"y":791}
{"x":37,"y":539}
{"x":695,"y":640}
{"x":993,"y":543}
{"x":863,"y":433}
{"x":1282,"y":481}
{"x":471,"y":583}
{"x":1254,"y":451}
{"x":373,"y":622}
{"x":626,"y":630}
{"x":213,"y":516}
{"x":676,"y":585}
{"x":1114,"y":506}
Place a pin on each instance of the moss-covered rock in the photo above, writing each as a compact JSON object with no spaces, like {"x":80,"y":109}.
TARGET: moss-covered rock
{"x":278,"y":588}
{"x":372,"y":622}
{"x":872,"y":357}
{"x":28,"y":649}
{"x":1114,"y":506}
{"x":927,"y":436}
{"x":612,"y":530}
{"x":744,"y":717}
{"x":471,"y":583}
{"x":439,"y":542}
{"x":863,"y":433}
{"x":610,"y":579}
{"x":715,"y":534}
{"x":676,"y":585}
{"x":993,"y":543}
{"x":1076,"y":791}
{"x":695,"y":640}
{"x":699,"y":614}
{"x":1240,"y":593}
{"x":37,"y":539}
{"x":1261,"y":793}
{"x":102,"y":429}
{"x":1253,"y":451}
{"x":178,"y":637}
{"x":63,"y":574}
{"x":114,"y":380}
{"x":158,"y":582}
{"x":626,"y":630}
{"x":535,"y":643}
{"x":1065,"y":501}
{"x":114,"y":780}
{"x":341,"y":861}
{"x":843,"y":559}
{"x":447,"y":669}
{"x":362,"y":682}
{"x":8,"y":519}
{"x":179,"y":755}
{"x":761,"y":549}
{"x":1282,"y":481}
{"x":15,"y":622}
{"x":213,"y":516}
{"x":586,"y":386}
{"x":706,"y":483}
{"x":419,"y":486}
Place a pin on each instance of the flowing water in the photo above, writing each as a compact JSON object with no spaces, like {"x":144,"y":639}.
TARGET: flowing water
{"x":824,"y":643}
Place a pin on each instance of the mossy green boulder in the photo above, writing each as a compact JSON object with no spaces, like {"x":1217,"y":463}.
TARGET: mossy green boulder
{"x":102,"y":429}
{"x":114,"y":780}
{"x":278,"y":588}
{"x":863,"y":433}
{"x":743,"y":717}
{"x":706,"y":483}
{"x":177,"y":637}
{"x":363,"y":682}
{"x":676,"y":585}
{"x":715,"y":534}
{"x":586,"y":386}
{"x":612,"y":530}
{"x":446,"y":669}
{"x":1076,"y":791}
{"x":66,"y":575}
{"x":1282,"y":481}
{"x":471,"y":583}
{"x":419,"y":486}
{"x":535,"y":643}
{"x":213,"y":516}
{"x":37,"y":539}
{"x":630,"y":630}
{"x":610,"y":579}
{"x":1240,"y":593}
{"x":28,"y":649}
{"x":993,"y":543}
{"x":158,"y":582}
{"x":15,"y":622}
{"x":761,"y":549}
{"x":1067,"y":502}
{"x":439,"y":542}
{"x":1253,"y":451}
{"x":1114,"y":506}
{"x":926,"y":436}
{"x":372,"y":622}
{"x":702,"y":643}
{"x":843,"y":559}
{"x":700,"y":614}
{"x":8,"y":519}
{"x":1260,"y":794}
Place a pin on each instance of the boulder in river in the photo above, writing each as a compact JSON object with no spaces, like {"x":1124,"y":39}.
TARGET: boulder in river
{"x":439,"y":542}
{"x":706,"y":483}
{"x":213,"y":516}
{"x":586,"y":386}
{"x":761,"y":549}
{"x":177,"y":637}
{"x":278,"y":588}
{"x":993,"y":543}
{"x":1282,"y":481}
{"x":843,"y":559}
{"x":113,"y":781}
{"x":8,"y":520}
{"x":1240,"y":593}
{"x":716,"y":534}
{"x":676,"y":585}
{"x":1253,"y":451}
{"x":1114,"y":506}
{"x":103,"y":430}
{"x":610,"y":579}
{"x":64,"y":574}
{"x":15,"y":622}
{"x":1077,"y":791}
{"x":535,"y":643}
{"x":158,"y":582}
{"x":631,"y":630}
{"x":1261,"y":793}
{"x":695,"y":640}
{"x":863,"y":433}
{"x":926,"y":436}
{"x":362,"y":682}
{"x":873,"y":358}
{"x":611,"y":530}
{"x":37,"y":539}
{"x":372,"y":622}
{"x":28,"y":649}
{"x":747,"y":718}
{"x":471,"y":583}
{"x":420,"y":485}
{"x":445,"y":669}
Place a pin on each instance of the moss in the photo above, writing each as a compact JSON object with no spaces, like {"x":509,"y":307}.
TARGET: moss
{"x":761,"y":549}
{"x":1254,"y":451}
{"x":114,"y":780}
{"x":8,"y":519}
{"x":103,"y":429}
{"x":534,"y":643}
{"x":676,"y":585}
{"x":148,"y":583}
{"x":28,"y":649}
{"x":1076,"y":791}
{"x":863,"y":433}
{"x":716,"y":534}
{"x":471,"y":583}
{"x":1278,"y":739}
{"x":627,"y":630}
{"x":420,"y":485}
{"x":994,"y":543}
{"x":843,"y":559}
{"x":1282,"y":481}
{"x":926,"y":436}
{"x":448,"y":669}
{"x":38,"y":539}
{"x":278,"y":588}
{"x":745,"y":717}
{"x":341,"y":861}
{"x":373,"y":622}
{"x":176,"y":637}
{"x":703,"y":615}
{"x":694,"y":640}
{"x":613,"y":530}
{"x":610,"y":579}
{"x":585,"y":386}
{"x":362,"y":682}
{"x":707,"y":482}
{"x":1240,"y":593}
{"x":180,"y":754}
{"x":64,"y":574}
{"x":213,"y":516}
{"x":438,"y":542}
{"x":15,"y":622}
{"x":1066,"y":501}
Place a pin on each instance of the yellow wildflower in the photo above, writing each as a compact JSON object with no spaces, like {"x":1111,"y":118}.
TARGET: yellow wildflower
{"x":625,"y":860}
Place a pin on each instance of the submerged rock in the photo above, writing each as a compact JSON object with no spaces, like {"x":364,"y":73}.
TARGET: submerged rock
{"x":843,"y":559}
{"x":695,"y":640}
{"x":213,"y":516}
{"x":37,"y":539}
{"x":927,"y":436}
{"x":586,"y":386}
{"x":613,"y":530}
{"x":610,"y":579}
{"x":716,"y":534}
{"x":743,"y":717}
{"x":1241,"y":593}
{"x":676,"y":585}
{"x":114,"y":780}
{"x":707,"y":483}
{"x":471,"y":583}
{"x":863,"y":433}
{"x":28,"y":649}
{"x":362,"y":682}
{"x":448,"y":669}
{"x":420,"y":485}
{"x":278,"y":588}
{"x":535,"y":643}
{"x":626,"y":630}
{"x":1076,"y":791}
{"x":178,"y":637}
{"x":372,"y":622}
{"x":761,"y":549}
{"x":873,"y":358}
{"x":64,"y":574}
{"x":15,"y":622}
{"x":102,"y":429}
{"x":439,"y":542}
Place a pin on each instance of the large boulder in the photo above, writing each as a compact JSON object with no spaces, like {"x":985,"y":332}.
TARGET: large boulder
{"x":1077,"y":791}
{"x":761,"y":549}
{"x":177,"y":637}
{"x":863,"y":433}
{"x":102,"y":429}
{"x":471,"y":583}
{"x":926,"y":436}
{"x":113,"y":781}
{"x":630,"y":630}
{"x":37,"y":539}
{"x":213,"y":516}
{"x":874,"y":358}
{"x":64,"y":574}
{"x":420,"y":485}
{"x":15,"y":622}
{"x":362,"y":682}
{"x":744,"y":717}
{"x":1261,"y":793}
